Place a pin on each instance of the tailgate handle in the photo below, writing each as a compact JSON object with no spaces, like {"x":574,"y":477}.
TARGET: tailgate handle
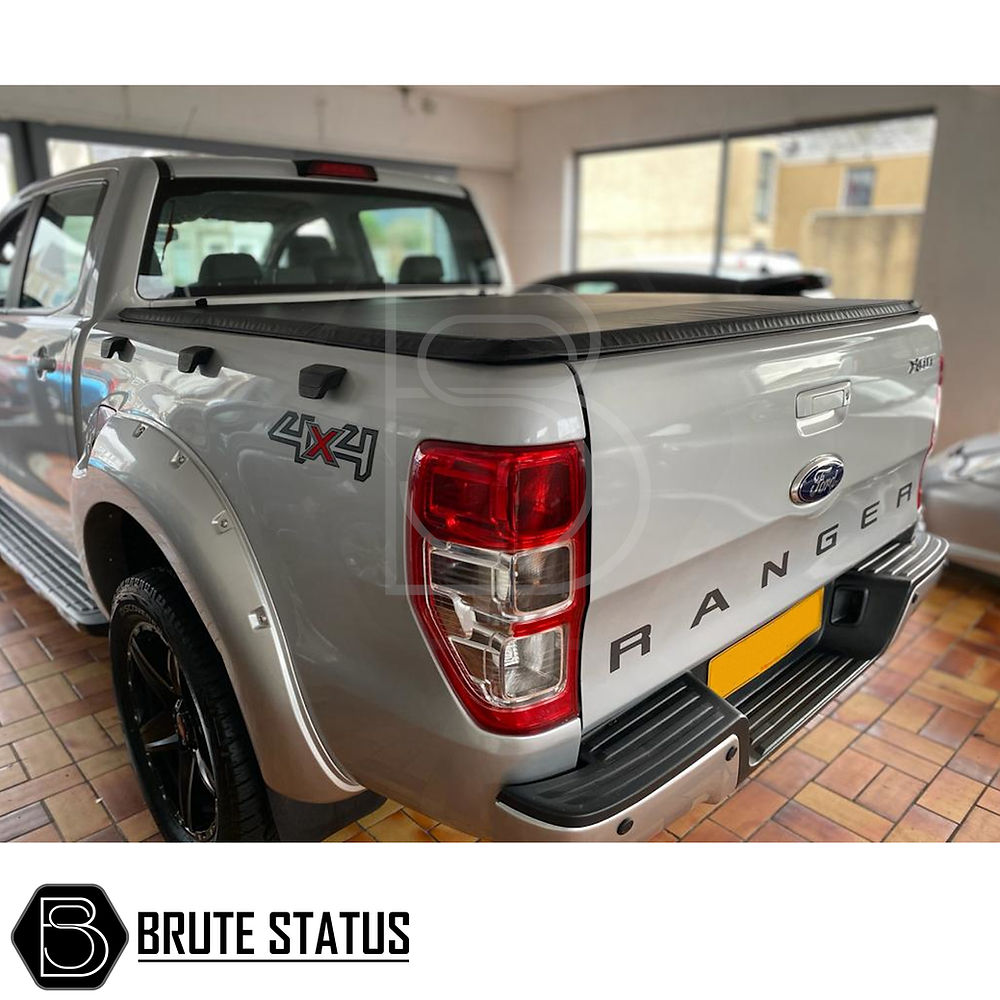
{"x":823,"y":399}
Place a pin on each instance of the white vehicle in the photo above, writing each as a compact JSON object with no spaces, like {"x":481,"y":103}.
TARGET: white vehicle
{"x":545,"y":567}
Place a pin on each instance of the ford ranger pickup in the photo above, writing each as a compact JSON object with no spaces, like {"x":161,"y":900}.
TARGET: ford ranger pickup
{"x":359,"y":522}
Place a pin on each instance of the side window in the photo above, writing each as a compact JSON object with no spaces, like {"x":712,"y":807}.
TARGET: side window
{"x":9,"y":233}
{"x":58,"y":247}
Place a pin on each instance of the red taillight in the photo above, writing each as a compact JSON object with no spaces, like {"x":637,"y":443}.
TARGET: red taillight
{"x":496,"y":566}
{"x":334,"y":168}
{"x":934,"y":431}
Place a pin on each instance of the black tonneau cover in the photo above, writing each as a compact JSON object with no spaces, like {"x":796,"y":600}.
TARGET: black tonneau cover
{"x":499,"y":329}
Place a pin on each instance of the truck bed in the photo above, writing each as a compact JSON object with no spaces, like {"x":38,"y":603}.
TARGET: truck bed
{"x":519,"y":329}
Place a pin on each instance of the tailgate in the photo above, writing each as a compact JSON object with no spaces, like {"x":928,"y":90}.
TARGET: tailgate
{"x":695,"y":538}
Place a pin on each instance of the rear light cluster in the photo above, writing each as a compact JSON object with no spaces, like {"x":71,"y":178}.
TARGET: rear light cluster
{"x":934,"y":432}
{"x":496,"y":558}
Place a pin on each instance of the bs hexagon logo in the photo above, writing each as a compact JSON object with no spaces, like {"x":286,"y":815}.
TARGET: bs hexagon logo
{"x":69,"y":937}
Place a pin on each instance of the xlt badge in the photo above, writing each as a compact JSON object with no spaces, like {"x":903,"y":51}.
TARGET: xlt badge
{"x":817,"y":480}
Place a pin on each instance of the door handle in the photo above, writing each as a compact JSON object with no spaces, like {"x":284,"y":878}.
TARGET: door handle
{"x":813,"y":402}
{"x":44,"y":363}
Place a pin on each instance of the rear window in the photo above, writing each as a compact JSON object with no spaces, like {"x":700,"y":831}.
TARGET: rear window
{"x":234,"y":238}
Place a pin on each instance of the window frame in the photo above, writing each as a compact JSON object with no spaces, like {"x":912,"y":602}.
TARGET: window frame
{"x":37,"y":205}
{"x":571,"y":230}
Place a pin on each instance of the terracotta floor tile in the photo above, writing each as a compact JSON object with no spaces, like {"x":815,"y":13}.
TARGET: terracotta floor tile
{"x":910,"y":713}
{"x":106,"y":835}
{"x":48,"y":668}
{"x":811,"y":826}
{"x":18,"y":730}
{"x":83,"y":737}
{"x":917,"y":767}
{"x":860,"y":710}
{"x":981,"y":825}
{"x":42,"y":753}
{"x":663,"y":837}
{"x":707,"y":832}
{"x":959,"y":660}
{"x":921,"y":825}
{"x":745,"y":811}
{"x":449,"y":835}
{"x":138,"y":827}
{"x":422,"y":820}
{"x":6,"y":755}
{"x":827,"y":740}
{"x":948,"y":682}
{"x":15,"y":705}
{"x":47,"y":834}
{"x":52,"y":692}
{"x":891,"y":793}
{"x":386,"y":809}
{"x":398,"y":829}
{"x":951,"y":795}
{"x":989,"y":728}
{"x":941,"y":696}
{"x":345,"y":833}
{"x":25,"y":653}
{"x":9,"y":680}
{"x":949,"y":727}
{"x":775,"y":833}
{"x":911,"y":742}
{"x":977,"y":758}
{"x":38,"y":788}
{"x":362,"y":838}
{"x":683,"y":824}
{"x":101,"y":763}
{"x":76,"y":813}
{"x":791,"y":772}
{"x":849,"y":773}
{"x":844,"y":812}
{"x":78,"y":709}
{"x":20,"y":821}
{"x":887,"y":684}
{"x":12,"y":774}
{"x":990,"y":799}
{"x":119,"y":791}
{"x":913,"y":662}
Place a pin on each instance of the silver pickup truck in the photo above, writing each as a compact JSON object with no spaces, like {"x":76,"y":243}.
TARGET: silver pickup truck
{"x":361,"y":524}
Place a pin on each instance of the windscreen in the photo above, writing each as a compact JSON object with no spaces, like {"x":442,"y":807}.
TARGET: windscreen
{"x":233,"y":238}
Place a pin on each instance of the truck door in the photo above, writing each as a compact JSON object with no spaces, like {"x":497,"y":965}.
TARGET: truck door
{"x":42,"y":307}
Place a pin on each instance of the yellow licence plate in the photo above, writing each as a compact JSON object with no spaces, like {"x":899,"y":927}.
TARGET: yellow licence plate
{"x":751,"y":656}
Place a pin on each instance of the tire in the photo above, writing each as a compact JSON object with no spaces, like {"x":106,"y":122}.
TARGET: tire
{"x":182,"y":724}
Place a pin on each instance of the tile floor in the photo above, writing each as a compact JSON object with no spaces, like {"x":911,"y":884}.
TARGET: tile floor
{"x":911,"y":751}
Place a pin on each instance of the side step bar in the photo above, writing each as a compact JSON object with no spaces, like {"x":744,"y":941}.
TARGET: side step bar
{"x":47,"y":568}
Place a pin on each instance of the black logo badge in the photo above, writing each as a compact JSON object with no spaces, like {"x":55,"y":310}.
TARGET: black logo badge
{"x":69,"y":937}
{"x":350,"y":444}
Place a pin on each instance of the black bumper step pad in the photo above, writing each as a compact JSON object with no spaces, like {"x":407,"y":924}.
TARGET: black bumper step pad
{"x":632,"y":755}
{"x":47,"y":568}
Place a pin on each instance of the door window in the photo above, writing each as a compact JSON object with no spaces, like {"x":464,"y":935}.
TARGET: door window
{"x":58,"y":247}
{"x":9,"y":232}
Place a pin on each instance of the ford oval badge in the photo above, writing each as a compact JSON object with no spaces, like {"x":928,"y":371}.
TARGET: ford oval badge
{"x":817,"y":480}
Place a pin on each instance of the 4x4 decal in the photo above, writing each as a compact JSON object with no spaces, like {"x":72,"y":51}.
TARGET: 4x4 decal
{"x":335,"y":445}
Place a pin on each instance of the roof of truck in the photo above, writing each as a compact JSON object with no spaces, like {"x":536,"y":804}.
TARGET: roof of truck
{"x":263,"y":168}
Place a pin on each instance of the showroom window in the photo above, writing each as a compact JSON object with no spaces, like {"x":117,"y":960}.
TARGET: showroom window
{"x":846,"y":201}
{"x":8,"y":182}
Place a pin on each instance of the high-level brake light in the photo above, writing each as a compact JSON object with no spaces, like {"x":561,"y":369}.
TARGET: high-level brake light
{"x":336,"y":168}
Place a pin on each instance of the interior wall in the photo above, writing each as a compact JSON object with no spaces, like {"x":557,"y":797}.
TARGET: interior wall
{"x":378,"y":121}
{"x":958,"y":266}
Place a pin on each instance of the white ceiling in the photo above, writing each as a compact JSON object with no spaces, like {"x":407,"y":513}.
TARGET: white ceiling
{"x":518,"y":96}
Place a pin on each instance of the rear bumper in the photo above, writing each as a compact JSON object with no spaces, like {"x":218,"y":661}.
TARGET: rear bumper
{"x":684,"y":744}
